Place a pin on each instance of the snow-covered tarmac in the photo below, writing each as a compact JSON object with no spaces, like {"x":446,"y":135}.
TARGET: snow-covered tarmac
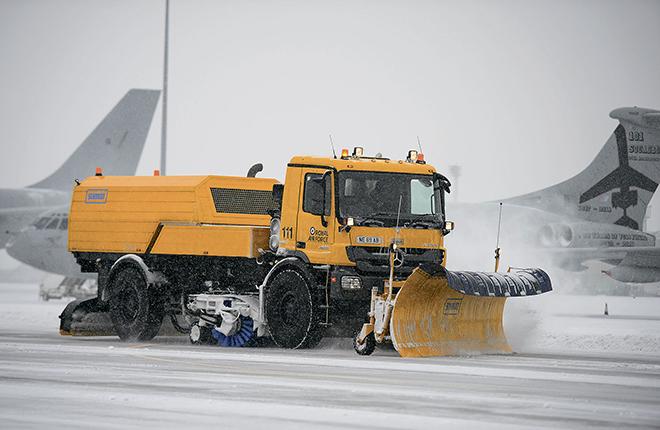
{"x":574,"y":368}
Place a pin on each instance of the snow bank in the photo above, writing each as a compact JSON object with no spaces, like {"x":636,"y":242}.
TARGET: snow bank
{"x":559,"y":323}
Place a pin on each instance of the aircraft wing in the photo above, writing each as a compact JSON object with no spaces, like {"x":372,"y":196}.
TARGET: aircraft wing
{"x":643,"y":258}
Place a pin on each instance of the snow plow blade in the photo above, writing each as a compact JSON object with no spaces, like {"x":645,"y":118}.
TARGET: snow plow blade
{"x":438,"y":312}
{"x":85,"y":318}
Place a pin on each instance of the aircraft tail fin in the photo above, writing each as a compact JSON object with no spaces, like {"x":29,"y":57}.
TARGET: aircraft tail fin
{"x":617,"y":186}
{"x":115,"y":144}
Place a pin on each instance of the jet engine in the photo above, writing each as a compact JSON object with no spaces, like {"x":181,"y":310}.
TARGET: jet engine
{"x":591,"y":235}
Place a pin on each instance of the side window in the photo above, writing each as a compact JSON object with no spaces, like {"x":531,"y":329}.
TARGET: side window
{"x":64,"y":224}
{"x":41,"y":224}
{"x":313,"y":194}
{"x":52,"y":225}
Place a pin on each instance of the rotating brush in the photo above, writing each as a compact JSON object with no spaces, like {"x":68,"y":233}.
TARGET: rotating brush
{"x":240,"y":338}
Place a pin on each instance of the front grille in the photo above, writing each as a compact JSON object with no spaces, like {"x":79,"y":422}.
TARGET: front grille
{"x":376,"y":259}
{"x":237,"y":201}
{"x":384,"y":250}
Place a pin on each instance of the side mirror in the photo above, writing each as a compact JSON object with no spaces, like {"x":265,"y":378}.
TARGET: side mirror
{"x":278,"y":194}
{"x":443,"y":181}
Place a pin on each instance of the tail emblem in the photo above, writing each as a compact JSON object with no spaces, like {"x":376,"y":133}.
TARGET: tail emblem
{"x":623,"y":177}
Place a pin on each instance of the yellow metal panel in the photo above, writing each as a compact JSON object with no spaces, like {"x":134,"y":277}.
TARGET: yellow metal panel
{"x":289,"y":225}
{"x":114,"y":236}
{"x":164,"y":207}
{"x":317,"y":239}
{"x":370,"y":165}
{"x":78,"y":215}
{"x":164,"y":182}
{"x":207,"y":212}
{"x":143,"y":195}
{"x":430,"y":319}
{"x":127,"y":210}
{"x":213,"y":240}
{"x":118,"y":226}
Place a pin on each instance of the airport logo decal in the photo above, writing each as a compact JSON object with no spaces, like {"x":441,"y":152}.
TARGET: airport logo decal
{"x":96,"y":196}
{"x":316,"y":235}
{"x":623,"y":177}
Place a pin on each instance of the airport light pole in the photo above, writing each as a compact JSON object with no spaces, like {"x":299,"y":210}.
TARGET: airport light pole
{"x":163,"y":131}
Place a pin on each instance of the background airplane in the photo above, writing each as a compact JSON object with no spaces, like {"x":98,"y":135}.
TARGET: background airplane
{"x":596,"y":215}
{"x":43,"y":245}
{"x":115,"y":144}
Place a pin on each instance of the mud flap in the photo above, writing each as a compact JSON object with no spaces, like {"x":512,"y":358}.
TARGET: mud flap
{"x":86,"y":318}
{"x":438,"y":312}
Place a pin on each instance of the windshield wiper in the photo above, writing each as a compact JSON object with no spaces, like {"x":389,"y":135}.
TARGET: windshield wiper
{"x":369,"y":222}
{"x":423,"y":221}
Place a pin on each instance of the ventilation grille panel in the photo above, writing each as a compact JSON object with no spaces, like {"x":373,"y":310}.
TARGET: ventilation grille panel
{"x":237,"y":201}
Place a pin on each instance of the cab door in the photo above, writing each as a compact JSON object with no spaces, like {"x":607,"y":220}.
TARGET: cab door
{"x":316,"y":220}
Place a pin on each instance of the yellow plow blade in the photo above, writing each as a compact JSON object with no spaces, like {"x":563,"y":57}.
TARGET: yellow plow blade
{"x":437,"y":312}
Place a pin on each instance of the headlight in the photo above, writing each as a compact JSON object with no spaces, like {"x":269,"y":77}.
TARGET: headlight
{"x":351,"y":283}
{"x":274,"y":241}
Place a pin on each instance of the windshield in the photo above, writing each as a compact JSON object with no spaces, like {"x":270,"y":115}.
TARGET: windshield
{"x":372,"y":198}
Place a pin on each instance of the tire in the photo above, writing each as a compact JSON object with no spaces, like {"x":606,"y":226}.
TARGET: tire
{"x":292,"y":311}
{"x":367,"y":347}
{"x":135,"y":310}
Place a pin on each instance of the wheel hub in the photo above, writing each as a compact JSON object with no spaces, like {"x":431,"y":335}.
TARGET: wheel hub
{"x":289,"y":309}
{"x":129,"y":304}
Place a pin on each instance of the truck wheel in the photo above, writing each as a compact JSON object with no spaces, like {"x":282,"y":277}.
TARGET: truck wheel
{"x":367,"y":347}
{"x":292,"y":311}
{"x":135,"y":310}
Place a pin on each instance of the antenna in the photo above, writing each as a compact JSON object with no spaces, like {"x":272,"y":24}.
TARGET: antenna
{"x":332,"y":145}
{"x":398,"y":214}
{"x":419,"y":144}
{"x":497,"y":245}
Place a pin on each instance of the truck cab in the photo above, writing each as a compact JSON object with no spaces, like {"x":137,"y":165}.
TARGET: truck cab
{"x":335,"y":205}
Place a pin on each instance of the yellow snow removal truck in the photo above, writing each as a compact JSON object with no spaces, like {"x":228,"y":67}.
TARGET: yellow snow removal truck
{"x":346,"y":245}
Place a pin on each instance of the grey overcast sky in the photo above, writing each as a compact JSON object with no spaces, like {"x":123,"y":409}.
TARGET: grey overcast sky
{"x":516,"y":92}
